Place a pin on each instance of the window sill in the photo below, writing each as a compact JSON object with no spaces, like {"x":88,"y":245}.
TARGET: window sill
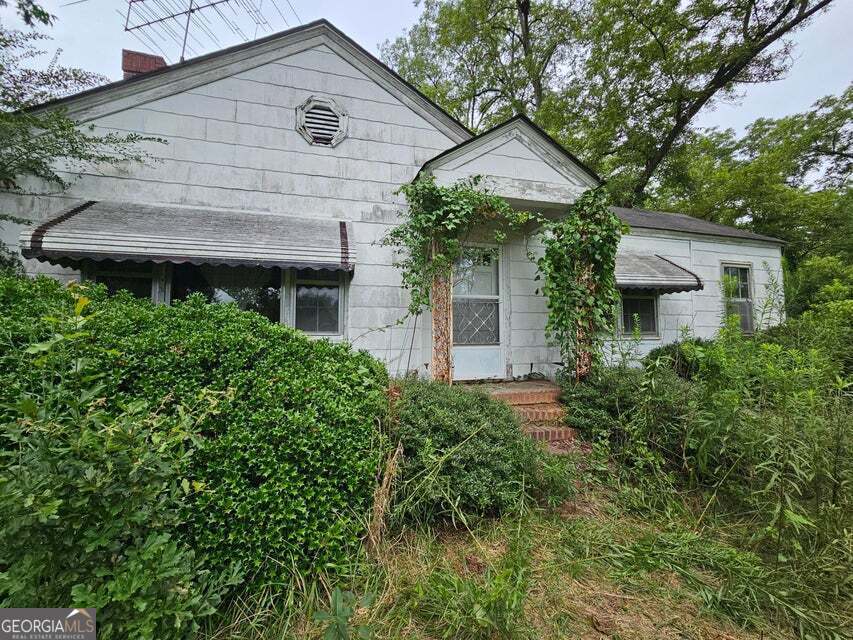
{"x":643,"y":336}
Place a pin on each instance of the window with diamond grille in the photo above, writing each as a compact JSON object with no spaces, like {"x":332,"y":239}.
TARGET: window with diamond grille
{"x":476,"y":306}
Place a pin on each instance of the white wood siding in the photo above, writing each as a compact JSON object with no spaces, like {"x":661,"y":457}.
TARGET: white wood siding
{"x":232,"y":144}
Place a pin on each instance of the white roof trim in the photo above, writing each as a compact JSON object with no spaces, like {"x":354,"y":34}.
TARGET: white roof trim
{"x":197,"y":72}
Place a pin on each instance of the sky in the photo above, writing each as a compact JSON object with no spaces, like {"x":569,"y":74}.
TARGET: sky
{"x":91,"y":35}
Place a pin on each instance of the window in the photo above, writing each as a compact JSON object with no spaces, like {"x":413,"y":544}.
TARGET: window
{"x":116,"y":277}
{"x":642,"y":309}
{"x":737,"y":287}
{"x":476,"y":296}
{"x":317,"y":302}
{"x":250,"y":288}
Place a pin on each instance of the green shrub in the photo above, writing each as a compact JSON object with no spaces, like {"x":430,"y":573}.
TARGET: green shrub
{"x":464,"y":454}
{"x":92,"y":497}
{"x":818,"y":280}
{"x":676,"y":355}
{"x":826,"y":327}
{"x":285,"y":469}
{"x":597,"y":405}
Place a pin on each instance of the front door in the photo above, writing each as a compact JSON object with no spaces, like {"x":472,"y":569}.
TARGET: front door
{"x":477,"y":352}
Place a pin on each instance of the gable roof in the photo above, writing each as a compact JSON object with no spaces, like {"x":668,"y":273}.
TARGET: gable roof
{"x":531,"y":127}
{"x":195,"y":72}
{"x":644,"y":219}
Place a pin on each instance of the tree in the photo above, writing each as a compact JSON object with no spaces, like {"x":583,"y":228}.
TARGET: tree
{"x":619,"y":81}
{"x":485,"y":61}
{"x":789,"y":178}
{"x":40,"y":148}
{"x":654,"y":66}
{"x":30,"y":12}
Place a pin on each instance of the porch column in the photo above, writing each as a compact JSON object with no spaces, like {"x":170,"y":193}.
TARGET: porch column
{"x":441,"y":297}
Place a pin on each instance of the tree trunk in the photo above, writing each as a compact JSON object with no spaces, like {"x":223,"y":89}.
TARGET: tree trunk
{"x":442,"y":327}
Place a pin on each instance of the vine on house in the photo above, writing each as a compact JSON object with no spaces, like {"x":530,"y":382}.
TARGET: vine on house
{"x":579,"y":279}
{"x":432,"y":238}
{"x":577,"y":268}
{"x":436,"y":226}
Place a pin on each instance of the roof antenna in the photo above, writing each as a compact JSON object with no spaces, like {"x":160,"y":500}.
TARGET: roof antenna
{"x":186,"y":30}
{"x":169,"y":23}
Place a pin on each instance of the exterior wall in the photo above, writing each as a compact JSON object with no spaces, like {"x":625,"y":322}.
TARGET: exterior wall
{"x":232,"y":144}
{"x":529,"y":350}
{"x":701,"y":311}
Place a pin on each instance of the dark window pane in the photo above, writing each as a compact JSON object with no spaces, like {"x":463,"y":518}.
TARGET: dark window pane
{"x":139,"y":287}
{"x":251,"y":289}
{"x":743,"y":310}
{"x":476,"y":322}
{"x":644,"y":308}
{"x":317,"y":308}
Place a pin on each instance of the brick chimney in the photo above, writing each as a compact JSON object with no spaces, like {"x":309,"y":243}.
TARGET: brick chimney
{"x":135,"y":62}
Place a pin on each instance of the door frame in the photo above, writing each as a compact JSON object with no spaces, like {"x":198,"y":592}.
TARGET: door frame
{"x":504,"y":310}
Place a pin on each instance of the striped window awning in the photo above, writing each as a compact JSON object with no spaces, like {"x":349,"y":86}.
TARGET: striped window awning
{"x":122,"y":231}
{"x":654,"y":273}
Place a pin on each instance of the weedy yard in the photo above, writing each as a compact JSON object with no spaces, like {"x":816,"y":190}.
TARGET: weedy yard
{"x":591,"y":567}
{"x":218,"y":476}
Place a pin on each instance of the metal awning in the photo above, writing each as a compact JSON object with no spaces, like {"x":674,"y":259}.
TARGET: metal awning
{"x":145,"y":233}
{"x":655,"y":273}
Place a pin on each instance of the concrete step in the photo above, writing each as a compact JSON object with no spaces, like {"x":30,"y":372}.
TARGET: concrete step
{"x":542,"y":412}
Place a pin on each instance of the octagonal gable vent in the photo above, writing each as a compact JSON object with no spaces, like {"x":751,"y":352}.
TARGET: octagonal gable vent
{"x":321,"y":121}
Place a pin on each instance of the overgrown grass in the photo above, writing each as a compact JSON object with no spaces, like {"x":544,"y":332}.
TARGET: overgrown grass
{"x":592,"y":566}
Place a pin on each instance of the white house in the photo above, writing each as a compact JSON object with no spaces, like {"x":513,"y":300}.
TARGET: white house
{"x":283,"y":161}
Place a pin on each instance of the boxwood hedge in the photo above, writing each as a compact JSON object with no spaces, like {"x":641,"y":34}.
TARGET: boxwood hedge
{"x":287,"y":464}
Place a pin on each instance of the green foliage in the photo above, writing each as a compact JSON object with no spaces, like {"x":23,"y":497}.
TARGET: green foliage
{"x":817,"y":280}
{"x":760,"y":429}
{"x":727,"y":580}
{"x":577,"y":268}
{"x":30,"y":12}
{"x":342,"y":606}
{"x":477,"y":608}
{"x":826,"y":327}
{"x":619,"y":81}
{"x":464,"y":455}
{"x":674,"y":353}
{"x":284,"y":472}
{"x":93,"y":496}
{"x":578,"y":275}
{"x":31,"y":141}
{"x":436,"y":227}
{"x":599,"y":404}
{"x":786,"y":178}
{"x":485,"y":61}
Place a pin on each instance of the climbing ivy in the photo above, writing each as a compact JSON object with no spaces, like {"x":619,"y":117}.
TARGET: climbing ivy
{"x":437,"y":225}
{"x":577,"y":270}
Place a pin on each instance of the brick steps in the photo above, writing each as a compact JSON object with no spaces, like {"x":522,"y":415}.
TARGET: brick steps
{"x":550,"y":434}
{"x":537,"y":405}
{"x":528,"y":397}
{"x":542,"y":412}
